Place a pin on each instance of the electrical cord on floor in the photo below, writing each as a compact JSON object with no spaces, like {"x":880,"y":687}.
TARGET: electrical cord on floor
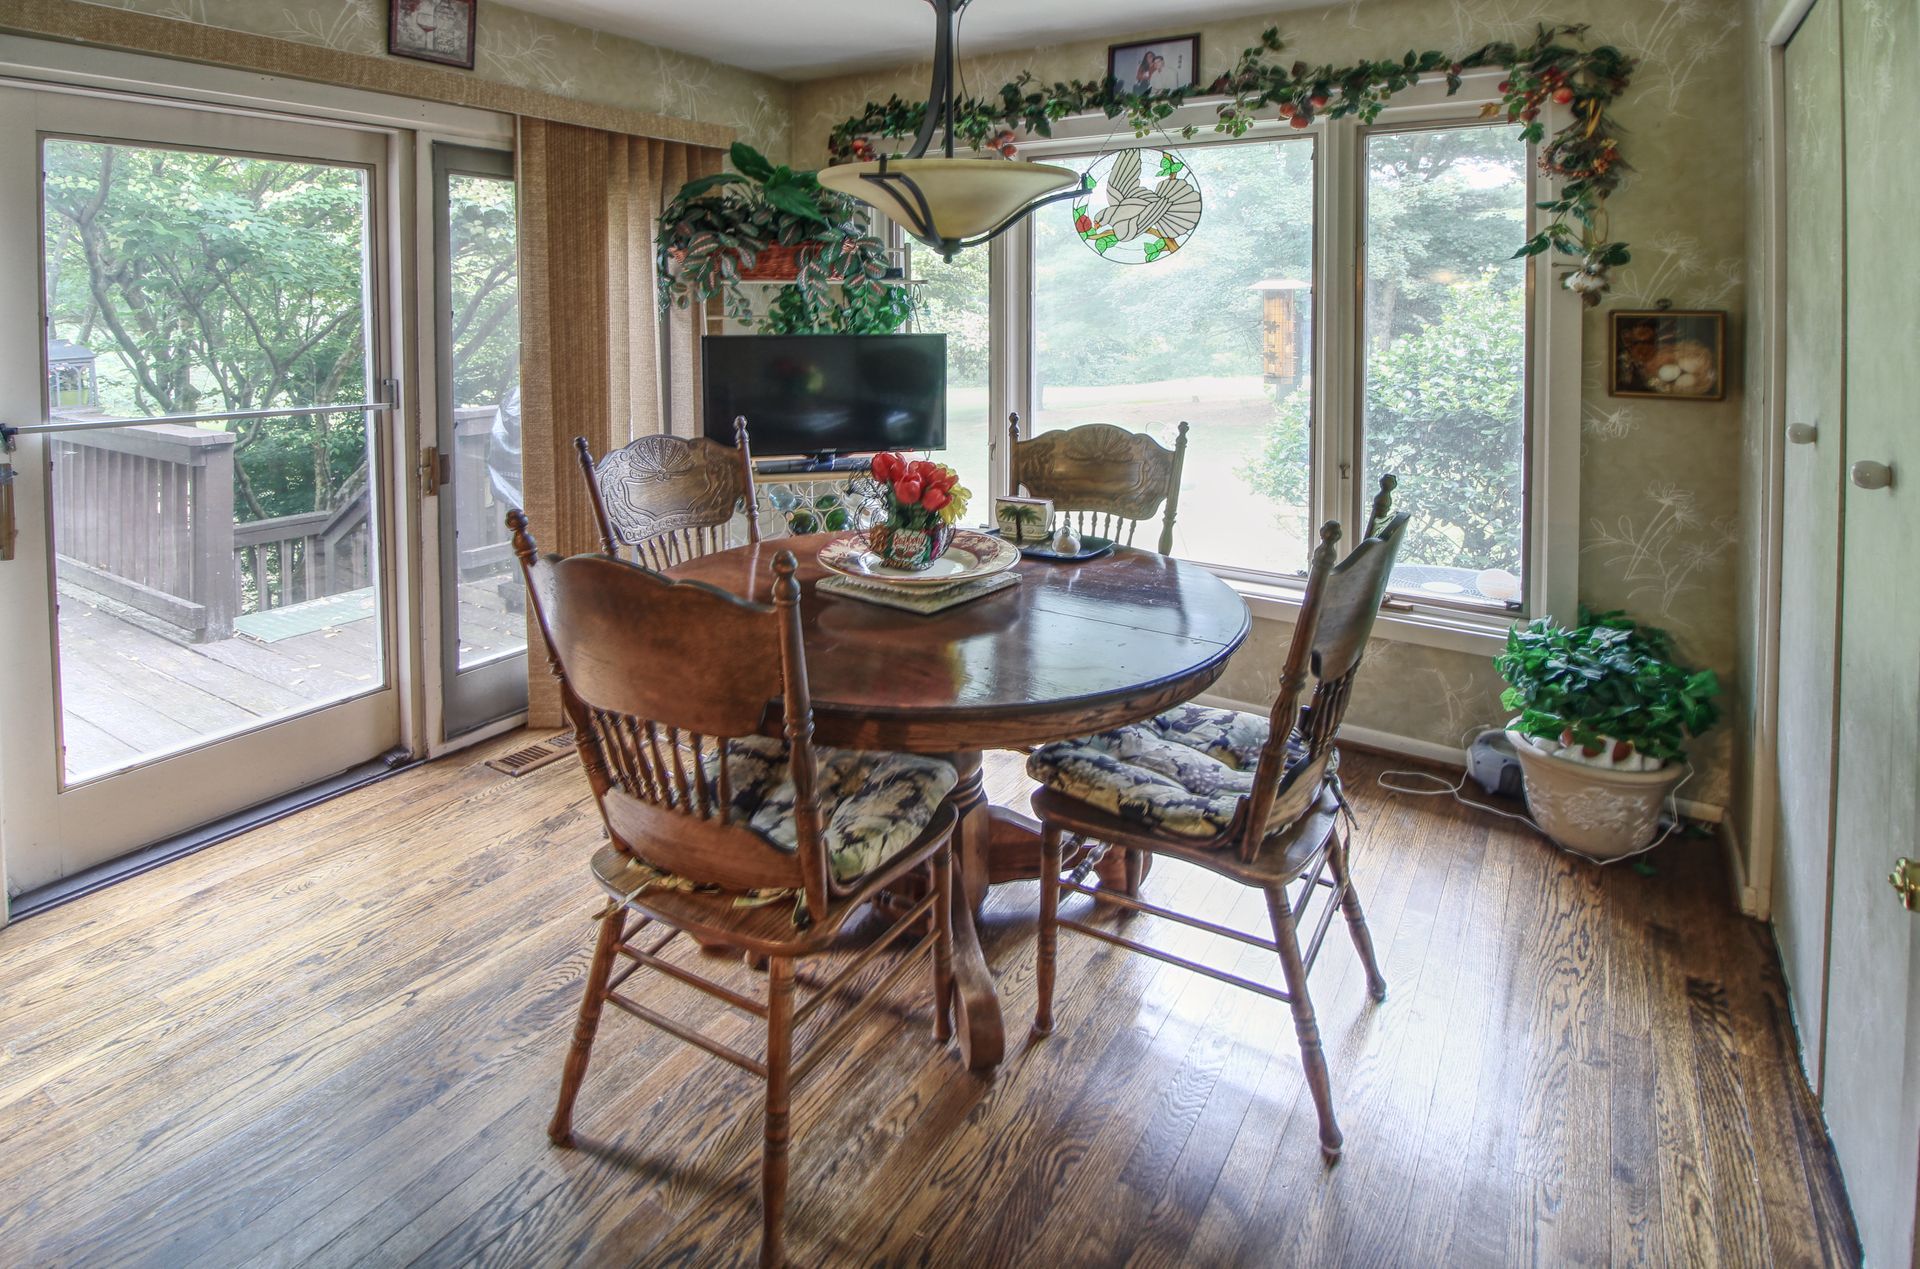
{"x":1673,"y":808}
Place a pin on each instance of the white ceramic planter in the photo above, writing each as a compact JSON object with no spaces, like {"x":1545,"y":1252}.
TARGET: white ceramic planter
{"x":1593,"y":810}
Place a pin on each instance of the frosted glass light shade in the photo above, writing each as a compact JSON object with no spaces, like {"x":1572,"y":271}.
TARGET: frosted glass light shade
{"x":967,"y":197}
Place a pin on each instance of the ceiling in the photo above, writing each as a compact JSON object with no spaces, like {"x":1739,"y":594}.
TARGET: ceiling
{"x":806,"y":39}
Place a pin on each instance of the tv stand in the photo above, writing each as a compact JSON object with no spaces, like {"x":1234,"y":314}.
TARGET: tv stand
{"x":818,"y":464}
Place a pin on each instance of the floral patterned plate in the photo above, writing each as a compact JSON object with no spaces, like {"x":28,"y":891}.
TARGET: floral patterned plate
{"x":972,"y":556}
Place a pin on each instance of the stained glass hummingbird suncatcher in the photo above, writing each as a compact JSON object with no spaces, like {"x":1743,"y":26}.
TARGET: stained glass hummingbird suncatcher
{"x":1131,"y":219}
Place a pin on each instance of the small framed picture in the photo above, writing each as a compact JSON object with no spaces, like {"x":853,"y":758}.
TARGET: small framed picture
{"x":1153,"y":66}
{"x":1678,"y":354}
{"x":1023,"y":519}
{"x":432,"y":30}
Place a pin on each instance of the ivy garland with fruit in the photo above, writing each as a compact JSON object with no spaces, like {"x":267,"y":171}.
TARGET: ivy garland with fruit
{"x":1553,"y":69}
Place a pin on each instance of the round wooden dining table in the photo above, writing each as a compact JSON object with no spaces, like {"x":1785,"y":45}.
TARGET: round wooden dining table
{"x":1070,"y":649}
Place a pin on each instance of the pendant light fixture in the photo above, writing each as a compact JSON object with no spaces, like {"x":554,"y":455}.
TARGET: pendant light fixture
{"x":946,"y":202}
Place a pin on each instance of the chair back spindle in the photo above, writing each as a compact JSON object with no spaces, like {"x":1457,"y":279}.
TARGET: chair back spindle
{"x":1103,"y":480}
{"x":670,"y":499}
{"x":660,"y":679}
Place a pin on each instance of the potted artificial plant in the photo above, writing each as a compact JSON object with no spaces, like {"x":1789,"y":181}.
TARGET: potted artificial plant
{"x":766,"y":222}
{"x":1601,"y":735}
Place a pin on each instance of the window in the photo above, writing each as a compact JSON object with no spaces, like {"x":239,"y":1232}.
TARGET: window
{"x":1217,"y":335}
{"x":1443,"y":354}
{"x":951,"y":299}
{"x":1349,"y":306}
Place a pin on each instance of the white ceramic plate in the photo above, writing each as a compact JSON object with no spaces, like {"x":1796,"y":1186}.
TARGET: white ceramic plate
{"x":972,"y":555}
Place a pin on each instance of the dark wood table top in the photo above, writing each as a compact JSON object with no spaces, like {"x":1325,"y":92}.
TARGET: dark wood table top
{"x":1073,"y":648}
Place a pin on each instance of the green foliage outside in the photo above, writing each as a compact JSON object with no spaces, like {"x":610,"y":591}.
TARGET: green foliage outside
{"x":1441,"y":405}
{"x":949,"y":298}
{"x":210,"y":283}
{"x":1606,"y":679}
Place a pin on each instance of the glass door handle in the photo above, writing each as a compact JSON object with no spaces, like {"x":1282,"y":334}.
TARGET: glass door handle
{"x":1801,"y":433}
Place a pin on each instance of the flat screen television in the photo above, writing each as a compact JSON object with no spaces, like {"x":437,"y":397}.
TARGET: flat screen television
{"x":821,"y":395}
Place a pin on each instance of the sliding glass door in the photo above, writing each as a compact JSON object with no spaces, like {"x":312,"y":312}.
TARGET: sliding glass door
{"x":477,"y":454}
{"x":197,"y":611}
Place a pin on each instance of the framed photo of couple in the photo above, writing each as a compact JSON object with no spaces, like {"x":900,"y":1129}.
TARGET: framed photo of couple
{"x":1152,"y":66}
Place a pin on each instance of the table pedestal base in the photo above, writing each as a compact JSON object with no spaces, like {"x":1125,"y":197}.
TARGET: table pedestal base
{"x":994,"y":844}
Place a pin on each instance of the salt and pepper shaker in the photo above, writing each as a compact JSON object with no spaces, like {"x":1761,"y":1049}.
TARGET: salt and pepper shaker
{"x":1065,"y":540}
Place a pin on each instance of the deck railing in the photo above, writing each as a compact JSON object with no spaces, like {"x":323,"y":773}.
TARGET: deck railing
{"x":144,"y":516}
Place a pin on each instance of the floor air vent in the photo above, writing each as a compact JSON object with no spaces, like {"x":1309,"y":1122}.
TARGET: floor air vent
{"x":534,"y":757}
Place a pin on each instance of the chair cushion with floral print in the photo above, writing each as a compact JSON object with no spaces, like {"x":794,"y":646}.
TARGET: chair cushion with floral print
{"x":1182,"y":772}
{"x":872,"y":805}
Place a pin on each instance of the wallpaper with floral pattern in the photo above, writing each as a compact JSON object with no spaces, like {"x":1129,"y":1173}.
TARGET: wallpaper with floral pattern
{"x":1660,"y":481}
{"x":529,"y":51}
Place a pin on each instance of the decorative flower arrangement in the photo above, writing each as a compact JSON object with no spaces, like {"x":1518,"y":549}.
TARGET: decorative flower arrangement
{"x":1584,"y":155}
{"x":917,"y":506}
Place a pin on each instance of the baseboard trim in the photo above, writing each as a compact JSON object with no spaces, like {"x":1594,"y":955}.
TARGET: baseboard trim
{"x":1749,"y":899}
{"x":1449,"y":756}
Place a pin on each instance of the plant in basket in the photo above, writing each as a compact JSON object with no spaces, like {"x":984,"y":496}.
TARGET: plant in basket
{"x":1604,"y":716}
{"x":767,"y":222}
{"x":917,"y":505}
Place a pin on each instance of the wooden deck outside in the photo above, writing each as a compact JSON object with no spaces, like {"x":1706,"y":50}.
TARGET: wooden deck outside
{"x":336,"y":1040}
{"x":129,"y":691}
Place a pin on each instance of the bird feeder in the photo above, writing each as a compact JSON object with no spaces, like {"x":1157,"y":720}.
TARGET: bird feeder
{"x":1285,"y":322}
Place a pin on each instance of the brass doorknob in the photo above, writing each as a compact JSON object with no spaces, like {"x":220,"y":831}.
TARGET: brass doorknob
{"x":1905,"y":880}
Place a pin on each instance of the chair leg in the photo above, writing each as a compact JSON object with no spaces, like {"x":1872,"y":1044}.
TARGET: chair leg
{"x":773,"y":1155}
{"x":1135,"y":862}
{"x":1049,"y":928}
{"x":943,"y":944}
{"x":599,"y":970}
{"x":1304,"y":1025}
{"x":1356,"y":919}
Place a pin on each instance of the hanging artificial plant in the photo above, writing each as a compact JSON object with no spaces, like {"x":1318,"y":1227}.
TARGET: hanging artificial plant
{"x":1584,"y":155}
{"x":718,"y":226}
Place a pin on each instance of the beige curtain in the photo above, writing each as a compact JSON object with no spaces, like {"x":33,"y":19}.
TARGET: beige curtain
{"x":597,"y":358}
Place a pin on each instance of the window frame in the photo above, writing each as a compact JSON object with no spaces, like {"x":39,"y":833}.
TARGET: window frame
{"x":1551,"y":438}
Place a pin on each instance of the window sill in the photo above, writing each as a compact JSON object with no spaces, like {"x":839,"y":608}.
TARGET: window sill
{"x":1468,"y":633}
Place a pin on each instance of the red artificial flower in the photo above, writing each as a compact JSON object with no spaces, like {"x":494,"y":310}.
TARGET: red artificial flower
{"x":885,"y":466}
{"x":907,"y":490}
{"x":935,"y":499}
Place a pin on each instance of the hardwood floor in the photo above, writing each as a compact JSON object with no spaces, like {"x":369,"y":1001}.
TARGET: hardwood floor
{"x":336,"y":1040}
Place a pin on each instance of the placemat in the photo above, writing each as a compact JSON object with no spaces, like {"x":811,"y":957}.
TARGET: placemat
{"x":925,"y":600}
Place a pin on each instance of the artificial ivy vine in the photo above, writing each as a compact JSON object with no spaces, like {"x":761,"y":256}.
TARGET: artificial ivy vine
{"x":1584,"y":155}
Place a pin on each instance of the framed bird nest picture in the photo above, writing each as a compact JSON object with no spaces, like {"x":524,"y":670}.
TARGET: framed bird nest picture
{"x":1675,"y":354}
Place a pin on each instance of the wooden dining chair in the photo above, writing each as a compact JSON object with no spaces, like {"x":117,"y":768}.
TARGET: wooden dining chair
{"x":723,"y":833}
{"x":1106,"y":479}
{"x":671,"y":498}
{"x":1255,"y":800}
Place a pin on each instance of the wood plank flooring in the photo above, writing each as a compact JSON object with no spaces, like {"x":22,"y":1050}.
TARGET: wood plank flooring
{"x":336,"y":1041}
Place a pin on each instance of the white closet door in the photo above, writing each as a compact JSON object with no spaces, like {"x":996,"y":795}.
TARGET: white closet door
{"x":1872,"y":1091}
